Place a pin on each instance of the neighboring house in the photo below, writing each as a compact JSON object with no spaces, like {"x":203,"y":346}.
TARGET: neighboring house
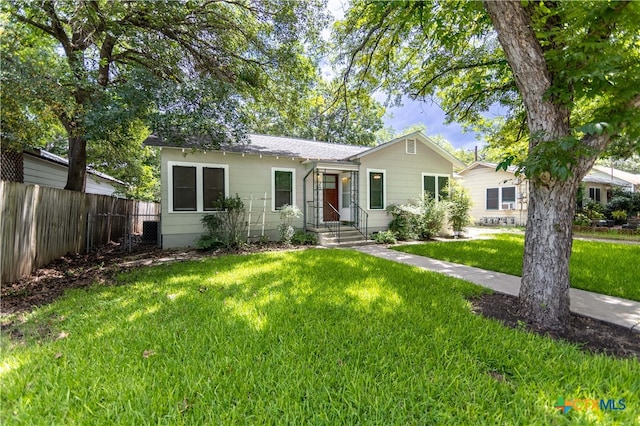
{"x":39,"y":167}
{"x":328,"y":182}
{"x":632,"y":180}
{"x":499,"y":197}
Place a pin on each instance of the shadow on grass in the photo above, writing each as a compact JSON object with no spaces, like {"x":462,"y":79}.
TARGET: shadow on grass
{"x":319,"y":336}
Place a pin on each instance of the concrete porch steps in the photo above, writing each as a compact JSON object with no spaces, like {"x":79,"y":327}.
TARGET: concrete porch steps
{"x":349,"y":236}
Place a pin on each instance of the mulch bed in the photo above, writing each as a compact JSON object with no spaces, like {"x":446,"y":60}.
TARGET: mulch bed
{"x":100,"y":267}
{"x":590,"y":334}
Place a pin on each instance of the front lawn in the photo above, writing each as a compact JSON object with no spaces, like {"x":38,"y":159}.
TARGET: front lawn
{"x":602,"y":267}
{"x":315,"y":336}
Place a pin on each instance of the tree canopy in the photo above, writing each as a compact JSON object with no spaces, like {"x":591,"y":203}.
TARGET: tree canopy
{"x":104,"y":68}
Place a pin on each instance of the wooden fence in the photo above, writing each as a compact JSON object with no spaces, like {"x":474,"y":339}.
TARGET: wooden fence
{"x":40,"y":224}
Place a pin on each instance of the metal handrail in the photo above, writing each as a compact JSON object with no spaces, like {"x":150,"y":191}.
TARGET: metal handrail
{"x":362,"y":221}
{"x":334,"y":225}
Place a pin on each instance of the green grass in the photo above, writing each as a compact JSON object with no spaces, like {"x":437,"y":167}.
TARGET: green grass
{"x":602,"y":267}
{"x":307,"y":337}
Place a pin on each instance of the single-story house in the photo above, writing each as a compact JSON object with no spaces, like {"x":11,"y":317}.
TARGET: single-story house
{"x":328,"y":182}
{"x":40,"y":167}
{"x":609,"y":173}
{"x":499,"y":197}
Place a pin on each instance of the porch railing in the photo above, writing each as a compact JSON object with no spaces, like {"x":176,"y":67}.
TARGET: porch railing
{"x":312,"y":214}
{"x":362,"y":220}
{"x":333,"y":225}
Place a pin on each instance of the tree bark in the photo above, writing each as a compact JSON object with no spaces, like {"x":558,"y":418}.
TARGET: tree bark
{"x":544,"y":292}
{"x":76,"y":178}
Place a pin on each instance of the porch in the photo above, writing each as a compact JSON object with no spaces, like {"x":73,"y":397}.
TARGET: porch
{"x":331,"y":208}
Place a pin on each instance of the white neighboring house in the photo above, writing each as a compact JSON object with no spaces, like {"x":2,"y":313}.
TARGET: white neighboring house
{"x":632,"y":180}
{"x":329,"y":182}
{"x":500,"y":198}
{"x":43,"y":168}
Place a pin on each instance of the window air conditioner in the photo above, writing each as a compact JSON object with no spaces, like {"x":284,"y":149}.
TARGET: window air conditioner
{"x":508,"y":206}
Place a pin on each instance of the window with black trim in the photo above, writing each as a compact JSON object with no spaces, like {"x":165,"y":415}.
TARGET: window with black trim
{"x":212,"y":186}
{"x":194,"y":187}
{"x":493,"y":198}
{"x":282,"y":188}
{"x":435,"y":186}
{"x":503,"y":198}
{"x":376,"y":190}
{"x":594,"y":194}
{"x":184,"y":188}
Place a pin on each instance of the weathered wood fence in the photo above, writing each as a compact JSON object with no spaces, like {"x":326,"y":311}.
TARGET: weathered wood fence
{"x":40,"y":224}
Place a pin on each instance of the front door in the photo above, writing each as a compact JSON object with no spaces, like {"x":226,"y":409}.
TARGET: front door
{"x":329,"y":196}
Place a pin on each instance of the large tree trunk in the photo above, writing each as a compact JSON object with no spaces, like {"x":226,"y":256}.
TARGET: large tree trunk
{"x":544,"y":292}
{"x":76,"y":177}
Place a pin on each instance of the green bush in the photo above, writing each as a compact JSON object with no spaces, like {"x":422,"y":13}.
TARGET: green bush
{"x":593,"y":210}
{"x":225,"y":228}
{"x":581,"y":220}
{"x":432,"y":218}
{"x":620,"y":216}
{"x":385,"y":237}
{"x":404,"y":224}
{"x":418,"y":219}
{"x":458,"y":206}
{"x":301,"y":238}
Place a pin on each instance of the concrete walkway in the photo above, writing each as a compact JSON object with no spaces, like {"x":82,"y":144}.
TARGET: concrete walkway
{"x":613,"y":310}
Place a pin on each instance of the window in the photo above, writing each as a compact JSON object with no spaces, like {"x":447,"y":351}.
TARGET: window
{"x":376,"y":183}
{"x":435,"y":186}
{"x":212,"y":186}
{"x":184,"y":188}
{"x":594,"y":194}
{"x":283,"y":187}
{"x":195,"y":186}
{"x":493,"y":198}
{"x":501,"y":198}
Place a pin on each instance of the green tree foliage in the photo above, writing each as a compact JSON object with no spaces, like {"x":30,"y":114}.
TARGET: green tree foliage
{"x":183,"y":68}
{"x":568,"y":95}
{"x":323,"y":111}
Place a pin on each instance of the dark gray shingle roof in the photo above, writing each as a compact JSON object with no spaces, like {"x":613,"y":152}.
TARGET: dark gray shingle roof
{"x":277,"y":145}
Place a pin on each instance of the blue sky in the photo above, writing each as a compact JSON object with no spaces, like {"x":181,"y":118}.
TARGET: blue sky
{"x":432,"y":116}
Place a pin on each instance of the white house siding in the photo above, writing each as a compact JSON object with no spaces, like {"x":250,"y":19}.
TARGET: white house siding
{"x":47,"y":173}
{"x":478,"y":179}
{"x":248,"y":176}
{"x":403,"y":176}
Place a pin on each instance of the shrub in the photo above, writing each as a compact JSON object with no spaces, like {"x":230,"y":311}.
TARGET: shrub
{"x":418,"y":219}
{"x":226,"y":228}
{"x":581,"y":220}
{"x":287,"y":215}
{"x":593,"y":210}
{"x":432,"y":218}
{"x":385,"y":237}
{"x":404,"y":224}
{"x":301,"y":238}
{"x":459,"y":204}
{"x":620,"y":216}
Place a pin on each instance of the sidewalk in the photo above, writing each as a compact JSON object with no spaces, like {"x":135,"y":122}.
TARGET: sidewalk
{"x":612,"y":310}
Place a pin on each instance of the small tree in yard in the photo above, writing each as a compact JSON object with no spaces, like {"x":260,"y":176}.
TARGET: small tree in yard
{"x":459,"y":204}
